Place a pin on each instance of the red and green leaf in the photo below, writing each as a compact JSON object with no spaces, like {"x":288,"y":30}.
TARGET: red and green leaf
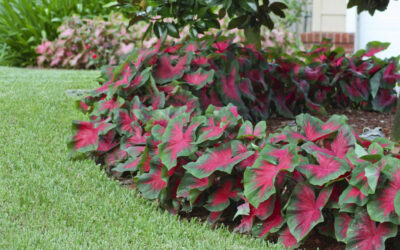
{"x":287,"y":239}
{"x":166,"y":72}
{"x":220,"y":199}
{"x":382,"y":207}
{"x":247,"y":131}
{"x":342,"y":223}
{"x":151,"y":184}
{"x":199,"y":78}
{"x":87,"y":134}
{"x":249,"y":213}
{"x":260,"y":178}
{"x":364,"y":233}
{"x":304,"y":210}
{"x":273,"y":222}
{"x":189,"y":184}
{"x":375,"y":47}
{"x":311,"y":129}
{"x":177,"y":141}
{"x":352,"y":195}
{"x":216,"y":159}
{"x":384,"y":101}
{"x":213,"y":129}
{"x":229,"y":88}
{"x":329,"y":168}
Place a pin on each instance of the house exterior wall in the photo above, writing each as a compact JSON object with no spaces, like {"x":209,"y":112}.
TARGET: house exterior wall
{"x":329,"y":21}
{"x":382,"y":26}
{"x":329,"y":16}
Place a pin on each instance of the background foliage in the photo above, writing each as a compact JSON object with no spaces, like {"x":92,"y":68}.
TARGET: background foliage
{"x":24,"y":23}
{"x":89,"y":43}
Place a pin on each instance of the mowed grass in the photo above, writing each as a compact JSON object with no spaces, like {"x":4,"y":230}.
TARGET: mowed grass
{"x":50,"y":202}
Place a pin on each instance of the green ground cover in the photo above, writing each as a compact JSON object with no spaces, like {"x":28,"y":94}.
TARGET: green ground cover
{"x":50,"y":202}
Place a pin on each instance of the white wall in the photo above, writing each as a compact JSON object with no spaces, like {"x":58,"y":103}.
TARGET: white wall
{"x":382,"y":26}
{"x":329,"y":15}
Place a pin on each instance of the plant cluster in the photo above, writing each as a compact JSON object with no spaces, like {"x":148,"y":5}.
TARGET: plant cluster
{"x":147,"y":120}
{"x":88,"y":43}
{"x":264,"y":83}
{"x":24,"y":24}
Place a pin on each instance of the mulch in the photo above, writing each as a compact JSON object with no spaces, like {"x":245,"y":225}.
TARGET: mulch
{"x":357,"y":119}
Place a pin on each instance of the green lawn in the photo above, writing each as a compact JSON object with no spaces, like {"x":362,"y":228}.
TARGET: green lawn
{"x":48,"y":201}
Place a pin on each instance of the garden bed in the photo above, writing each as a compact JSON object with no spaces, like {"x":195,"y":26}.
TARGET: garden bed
{"x":357,"y":119}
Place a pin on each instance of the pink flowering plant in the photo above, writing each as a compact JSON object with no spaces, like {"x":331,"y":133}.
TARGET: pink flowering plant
{"x":88,"y":43}
{"x":186,"y":123}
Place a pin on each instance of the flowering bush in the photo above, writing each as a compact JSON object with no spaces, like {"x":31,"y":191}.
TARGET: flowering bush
{"x":88,"y":43}
{"x":155,"y":117}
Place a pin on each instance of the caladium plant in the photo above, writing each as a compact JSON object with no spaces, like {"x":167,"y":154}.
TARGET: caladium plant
{"x":171,"y":129}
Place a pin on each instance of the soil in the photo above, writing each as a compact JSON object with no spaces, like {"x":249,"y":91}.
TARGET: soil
{"x":358,"y":120}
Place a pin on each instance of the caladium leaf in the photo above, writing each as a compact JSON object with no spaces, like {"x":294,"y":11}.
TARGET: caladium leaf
{"x":280,"y":103}
{"x":359,"y":179}
{"x":125,"y":121}
{"x":220,"y":199}
{"x":352,"y":195}
{"x":177,"y":140}
{"x":140,"y":79}
{"x":260,"y":178}
{"x":246,"y":89}
{"x":184,"y":98}
{"x":342,"y":142}
{"x":335,"y":122}
{"x":220,"y":158}
{"x":342,"y":223}
{"x":151,"y":184}
{"x":247,"y":131}
{"x":363,"y":233}
{"x":132,"y":165}
{"x":87,"y":135}
{"x":199,"y":78}
{"x":287,"y":239}
{"x":107,"y":105}
{"x":213,"y":217}
{"x":240,"y":148}
{"x":375,"y":47}
{"x":273,"y":222}
{"x":213,"y":129}
{"x":190,"y":183}
{"x":107,"y":142}
{"x":249,"y":213}
{"x":304,"y":210}
{"x":356,"y":90}
{"x":365,"y":176}
{"x":311,"y":128}
{"x":329,"y":168}
{"x":228,"y":86}
{"x":165,"y":72}
{"x":382,"y":207}
{"x":397,"y":203}
{"x":384,"y":101}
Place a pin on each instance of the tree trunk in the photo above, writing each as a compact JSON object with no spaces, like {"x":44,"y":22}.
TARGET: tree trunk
{"x":396,"y":124}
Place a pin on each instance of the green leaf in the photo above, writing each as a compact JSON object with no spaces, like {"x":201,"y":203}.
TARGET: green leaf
{"x":249,"y":5}
{"x":172,"y":30}
{"x":238,"y":22}
{"x":375,"y":83}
